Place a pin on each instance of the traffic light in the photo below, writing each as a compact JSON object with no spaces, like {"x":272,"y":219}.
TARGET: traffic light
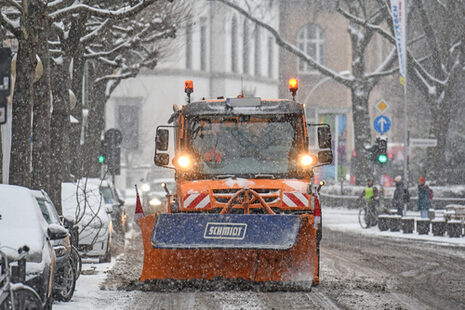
{"x":379,"y":151}
{"x":110,"y":153}
{"x":103,"y":154}
{"x":382,"y":155}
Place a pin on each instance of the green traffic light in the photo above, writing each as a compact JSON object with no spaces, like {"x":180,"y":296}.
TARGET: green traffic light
{"x":382,"y":158}
{"x":101,"y":159}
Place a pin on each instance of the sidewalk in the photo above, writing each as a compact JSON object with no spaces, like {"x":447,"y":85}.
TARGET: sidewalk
{"x":343,"y":219}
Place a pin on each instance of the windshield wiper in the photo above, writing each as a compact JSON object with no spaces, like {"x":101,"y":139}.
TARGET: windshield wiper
{"x":264,"y":176}
{"x":225,"y":176}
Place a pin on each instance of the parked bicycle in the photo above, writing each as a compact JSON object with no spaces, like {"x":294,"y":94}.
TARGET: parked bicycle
{"x":16,"y":296}
{"x":368,"y":214}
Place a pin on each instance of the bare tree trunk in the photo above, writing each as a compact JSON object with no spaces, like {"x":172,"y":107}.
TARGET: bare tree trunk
{"x":41,"y":110}
{"x":95,"y":126}
{"x":59,"y":132}
{"x":360,"y":93}
{"x":76,"y":52}
{"x":362,"y":134}
{"x":20,"y":164}
{"x":437,"y":155}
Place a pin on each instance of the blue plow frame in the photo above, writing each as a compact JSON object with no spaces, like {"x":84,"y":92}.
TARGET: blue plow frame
{"x":228,"y":231}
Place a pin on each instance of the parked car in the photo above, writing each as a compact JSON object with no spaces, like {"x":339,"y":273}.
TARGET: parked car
{"x":112,"y":199}
{"x":65,"y":274}
{"x":83,"y":202}
{"x":154,"y":198}
{"x":22,"y":223}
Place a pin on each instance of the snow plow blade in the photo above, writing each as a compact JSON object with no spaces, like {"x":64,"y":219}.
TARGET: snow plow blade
{"x":258,"y":248}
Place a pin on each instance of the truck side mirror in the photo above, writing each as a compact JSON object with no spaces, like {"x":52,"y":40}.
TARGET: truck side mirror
{"x":162,"y":159}
{"x":324,"y":137}
{"x":325,"y":157}
{"x":162,"y":139}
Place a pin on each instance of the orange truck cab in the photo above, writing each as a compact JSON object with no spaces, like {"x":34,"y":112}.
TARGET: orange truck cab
{"x":244,"y":206}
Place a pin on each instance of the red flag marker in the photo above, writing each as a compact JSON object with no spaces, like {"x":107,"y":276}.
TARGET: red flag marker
{"x":139,"y":210}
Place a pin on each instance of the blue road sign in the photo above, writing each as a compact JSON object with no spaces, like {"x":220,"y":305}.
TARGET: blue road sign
{"x":382,"y":124}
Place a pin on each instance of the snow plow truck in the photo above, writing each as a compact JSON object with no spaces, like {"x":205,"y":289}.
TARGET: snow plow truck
{"x":245,"y":207}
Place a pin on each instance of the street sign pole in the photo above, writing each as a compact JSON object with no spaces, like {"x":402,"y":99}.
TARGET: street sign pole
{"x":406,"y":136}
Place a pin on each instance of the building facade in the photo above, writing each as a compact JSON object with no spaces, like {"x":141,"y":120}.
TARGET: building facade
{"x":318,"y":29}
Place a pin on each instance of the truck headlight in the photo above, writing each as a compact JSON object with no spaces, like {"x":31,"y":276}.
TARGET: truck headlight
{"x":155,"y":202}
{"x":183,"y":161}
{"x":307,"y":160}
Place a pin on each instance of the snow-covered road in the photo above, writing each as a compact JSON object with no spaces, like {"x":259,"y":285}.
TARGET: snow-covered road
{"x":360,"y":268}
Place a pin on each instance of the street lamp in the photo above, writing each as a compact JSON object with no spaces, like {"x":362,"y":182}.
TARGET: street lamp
{"x":320,"y":82}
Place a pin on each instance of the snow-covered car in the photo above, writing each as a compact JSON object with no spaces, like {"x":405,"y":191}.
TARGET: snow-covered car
{"x":83,"y":202}
{"x":64,"y":277}
{"x":112,"y":199}
{"x":154,"y":195}
{"x":22,"y":223}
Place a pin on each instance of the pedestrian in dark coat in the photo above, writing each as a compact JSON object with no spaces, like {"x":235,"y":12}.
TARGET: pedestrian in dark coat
{"x":401,"y":195}
{"x":425,"y":194}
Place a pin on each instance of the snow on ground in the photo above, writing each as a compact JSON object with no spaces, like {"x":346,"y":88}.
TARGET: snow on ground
{"x":88,"y":295}
{"x":346,"y":220}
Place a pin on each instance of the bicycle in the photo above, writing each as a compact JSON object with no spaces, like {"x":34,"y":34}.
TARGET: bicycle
{"x":16,"y":296}
{"x":368,"y":214}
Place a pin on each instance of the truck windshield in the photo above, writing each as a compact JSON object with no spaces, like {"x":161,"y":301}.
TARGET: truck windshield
{"x":245,"y":145}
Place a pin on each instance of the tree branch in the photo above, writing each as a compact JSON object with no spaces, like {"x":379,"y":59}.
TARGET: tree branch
{"x":14,"y":4}
{"x":382,"y":70}
{"x":432,"y":43}
{"x":94,"y":33}
{"x":124,"y":12}
{"x":10,"y":25}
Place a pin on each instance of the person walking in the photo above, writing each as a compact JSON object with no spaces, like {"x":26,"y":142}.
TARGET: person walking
{"x":425,"y":194}
{"x":401,"y":195}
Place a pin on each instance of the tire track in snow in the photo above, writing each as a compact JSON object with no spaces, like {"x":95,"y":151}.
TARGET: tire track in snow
{"x":322,"y":300}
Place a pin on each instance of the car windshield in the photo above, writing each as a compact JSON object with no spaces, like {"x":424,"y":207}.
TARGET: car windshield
{"x":244,"y":145}
{"x":107,"y":194}
{"x":45,"y":208}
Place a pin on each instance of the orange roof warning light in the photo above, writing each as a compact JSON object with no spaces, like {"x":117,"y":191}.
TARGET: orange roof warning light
{"x":189,"y":86}
{"x":293,"y":87}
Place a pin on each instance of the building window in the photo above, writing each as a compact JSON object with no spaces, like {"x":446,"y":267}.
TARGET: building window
{"x":203,"y":47}
{"x":245,"y":48}
{"x":234,"y":44}
{"x":270,"y":57}
{"x":311,"y":39}
{"x":258,"y":52}
{"x":188,"y":47}
{"x":128,"y":123}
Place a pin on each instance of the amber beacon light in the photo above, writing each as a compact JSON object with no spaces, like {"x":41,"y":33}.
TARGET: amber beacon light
{"x":293,"y":87}
{"x":188,"y":89}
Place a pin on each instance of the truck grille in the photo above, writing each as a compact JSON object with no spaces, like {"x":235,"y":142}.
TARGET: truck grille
{"x":268,"y":195}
